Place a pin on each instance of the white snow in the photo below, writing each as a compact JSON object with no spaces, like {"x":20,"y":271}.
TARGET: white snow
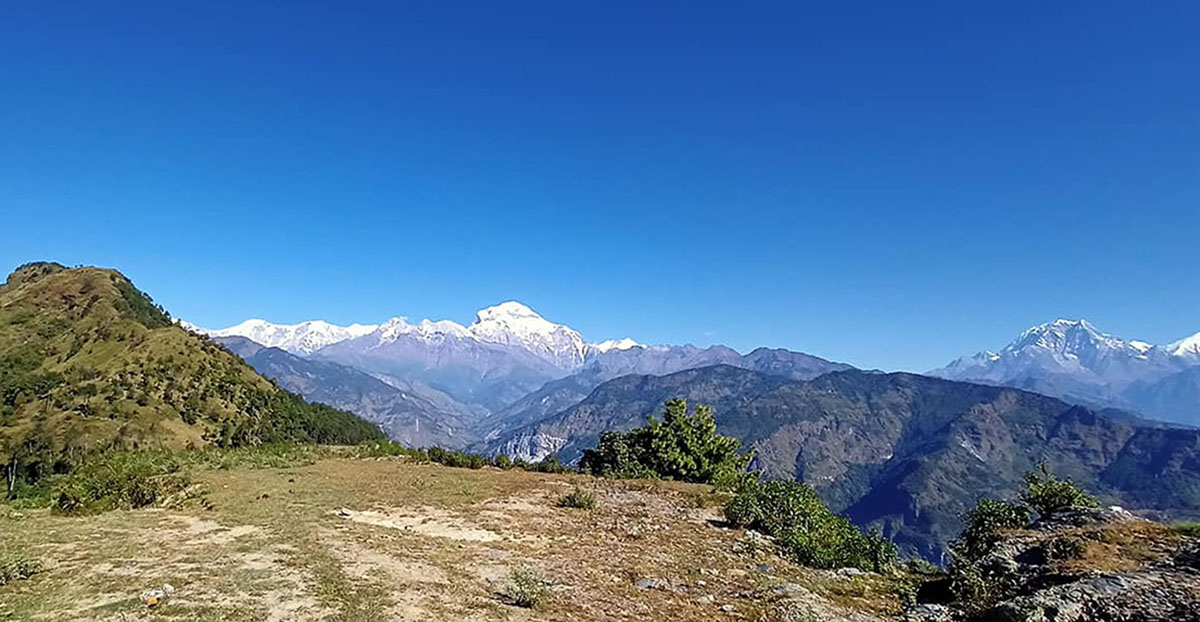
{"x":509,"y":323}
{"x":303,"y":338}
{"x":616,"y":344}
{"x":1188,"y":347}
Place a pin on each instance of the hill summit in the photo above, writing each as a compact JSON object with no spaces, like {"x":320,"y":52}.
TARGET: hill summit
{"x":88,"y":362}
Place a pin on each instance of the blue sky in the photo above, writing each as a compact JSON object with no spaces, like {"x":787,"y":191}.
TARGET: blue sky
{"x":888,"y":184}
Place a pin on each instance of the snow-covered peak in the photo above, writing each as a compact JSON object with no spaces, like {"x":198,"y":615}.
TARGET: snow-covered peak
{"x":1072,"y":339}
{"x":510,"y":310}
{"x":392,"y":329}
{"x":510,"y":324}
{"x":303,"y":338}
{"x":514,"y":324}
{"x":616,"y":344}
{"x":1188,"y":347}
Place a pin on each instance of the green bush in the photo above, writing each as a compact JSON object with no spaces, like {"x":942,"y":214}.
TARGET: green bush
{"x":526,"y":588}
{"x":1047,"y":494}
{"x":17,"y":567}
{"x":984,"y":524}
{"x":806,"y":529}
{"x":681,"y":447}
{"x":579,"y":499}
{"x":127,"y":480}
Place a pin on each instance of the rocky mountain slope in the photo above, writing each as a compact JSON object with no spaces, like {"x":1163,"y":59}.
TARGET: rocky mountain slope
{"x":415,"y":415}
{"x":1074,"y":360}
{"x":905,"y":452}
{"x":511,"y":364}
{"x":88,"y":362}
{"x":558,"y":395}
{"x":1083,"y":565}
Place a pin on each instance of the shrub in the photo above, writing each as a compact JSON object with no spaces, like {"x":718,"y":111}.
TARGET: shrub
{"x":984,"y":523}
{"x":579,"y":499}
{"x":1047,"y":494}
{"x":525,"y":588}
{"x":806,"y":529}
{"x":119,"y":480}
{"x":682,"y":446}
{"x":17,"y":567}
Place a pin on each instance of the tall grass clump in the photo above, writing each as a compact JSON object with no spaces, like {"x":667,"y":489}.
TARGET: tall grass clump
{"x":579,"y":499}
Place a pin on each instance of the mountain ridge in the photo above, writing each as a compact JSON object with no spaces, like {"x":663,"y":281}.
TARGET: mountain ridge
{"x":1075,"y":360}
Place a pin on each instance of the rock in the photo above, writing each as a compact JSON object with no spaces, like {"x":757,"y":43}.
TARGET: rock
{"x":728,"y":608}
{"x":929,"y":613}
{"x":850,"y":571}
{"x":765,"y":568}
{"x":646,"y":583}
{"x":707,"y":599}
{"x":789,"y":590}
{"x":1120,"y":568}
{"x":1083,"y":517}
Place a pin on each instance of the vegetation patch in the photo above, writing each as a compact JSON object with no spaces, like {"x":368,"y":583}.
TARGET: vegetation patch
{"x":1047,"y":494}
{"x":579,"y":499}
{"x":124,"y":480}
{"x":681,"y":446}
{"x":17,"y":567}
{"x":526,"y":588}
{"x":806,"y":530}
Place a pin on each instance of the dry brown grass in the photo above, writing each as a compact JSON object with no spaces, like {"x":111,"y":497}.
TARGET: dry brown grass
{"x":274,"y":546}
{"x":1119,"y":547}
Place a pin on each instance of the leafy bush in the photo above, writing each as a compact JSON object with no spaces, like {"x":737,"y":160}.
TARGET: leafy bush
{"x":17,"y":567}
{"x":806,"y":529}
{"x":1047,"y":494}
{"x":681,"y":447}
{"x":120,"y":480}
{"x":984,"y":523}
{"x":526,"y":588}
{"x":579,"y":499}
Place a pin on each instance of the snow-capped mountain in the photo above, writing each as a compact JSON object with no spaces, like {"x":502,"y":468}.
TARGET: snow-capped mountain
{"x":303,"y":338}
{"x":1074,"y":360}
{"x":509,"y":324}
{"x":1187,"y":348}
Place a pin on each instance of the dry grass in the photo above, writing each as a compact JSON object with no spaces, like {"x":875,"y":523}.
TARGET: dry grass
{"x":1119,"y":547}
{"x":276,"y":546}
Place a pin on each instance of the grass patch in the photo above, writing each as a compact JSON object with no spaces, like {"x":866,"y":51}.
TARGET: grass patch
{"x":17,"y":567}
{"x":526,"y":588}
{"x":121,"y":480}
{"x":1187,"y":528}
{"x":579,"y":499}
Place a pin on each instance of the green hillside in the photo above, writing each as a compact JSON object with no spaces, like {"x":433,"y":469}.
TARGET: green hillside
{"x":88,"y":363}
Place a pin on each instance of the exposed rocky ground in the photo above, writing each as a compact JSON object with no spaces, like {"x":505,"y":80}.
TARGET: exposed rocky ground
{"x":1084,"y":565}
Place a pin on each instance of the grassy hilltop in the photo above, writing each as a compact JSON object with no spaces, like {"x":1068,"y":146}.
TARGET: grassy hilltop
{"x":88,"y":363}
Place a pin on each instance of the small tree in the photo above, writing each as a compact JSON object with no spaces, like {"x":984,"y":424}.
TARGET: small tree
{"x":984,"y":523}
{"x":682,"y":446}
{"x":1048,"y":495}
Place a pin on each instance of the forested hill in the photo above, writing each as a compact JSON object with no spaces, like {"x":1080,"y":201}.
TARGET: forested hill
{"x":88,"y":362}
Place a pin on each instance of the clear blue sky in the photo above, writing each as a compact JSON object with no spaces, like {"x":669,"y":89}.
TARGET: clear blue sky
{"x":890,"y":184}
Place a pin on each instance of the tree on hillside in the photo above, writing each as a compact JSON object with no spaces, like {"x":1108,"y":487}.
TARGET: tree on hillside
{"x":681,"y":446}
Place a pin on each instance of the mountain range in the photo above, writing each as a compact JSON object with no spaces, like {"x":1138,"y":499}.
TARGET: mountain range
{"x":902,"y":452}
{"x":508,"y":368}
{"x":1076,"y":361}
{"x":88,"y":362}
